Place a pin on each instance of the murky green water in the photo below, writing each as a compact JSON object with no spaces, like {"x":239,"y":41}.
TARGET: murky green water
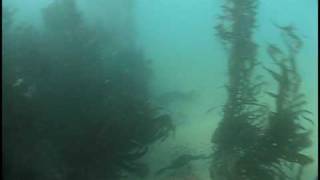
{"x":176,"y":40}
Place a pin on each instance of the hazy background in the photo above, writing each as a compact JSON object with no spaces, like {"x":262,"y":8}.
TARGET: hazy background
{"x":178,"y":37}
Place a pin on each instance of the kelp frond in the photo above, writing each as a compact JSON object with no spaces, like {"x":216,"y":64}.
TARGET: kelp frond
{"x":253,"y":142}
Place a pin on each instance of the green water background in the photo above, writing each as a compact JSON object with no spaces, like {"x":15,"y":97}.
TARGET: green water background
{"x":178,"y":36}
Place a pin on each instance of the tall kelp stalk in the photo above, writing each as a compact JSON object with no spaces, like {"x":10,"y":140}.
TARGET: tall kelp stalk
{"x":253,"y":142}
{"x":72,"y":109}
{"x":287,"y":133}
{"x":237,"y":131}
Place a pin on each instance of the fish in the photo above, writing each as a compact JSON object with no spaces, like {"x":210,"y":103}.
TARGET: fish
{"x":30,"y":91}
{"x":18,"y":82}
{"x":168,"y":98}
{"x":298,"y":158}
{"x":211,"y":109}
{"x":181,"y":161}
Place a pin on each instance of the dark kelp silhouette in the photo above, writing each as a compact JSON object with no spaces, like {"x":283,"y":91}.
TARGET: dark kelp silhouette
{"x":237,"y":130}
{"x":251,"y":141}
{"x":89,"y":117}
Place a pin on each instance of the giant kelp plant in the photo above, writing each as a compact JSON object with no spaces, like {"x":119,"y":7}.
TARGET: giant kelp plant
{"x":75,"y":105}
{"x":252,"y":141}
{"x":236,"y":132}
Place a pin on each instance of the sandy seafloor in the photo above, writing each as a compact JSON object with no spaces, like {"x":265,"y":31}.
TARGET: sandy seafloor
{"x":194,"y":137}
{"x":194,"y":130}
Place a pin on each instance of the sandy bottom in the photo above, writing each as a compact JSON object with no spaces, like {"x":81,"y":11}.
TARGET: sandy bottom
{"x":195,"y":127}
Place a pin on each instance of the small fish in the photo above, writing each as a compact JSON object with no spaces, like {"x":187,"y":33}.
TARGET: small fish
{"x":182,"y":160}
{"x":299,"y":158}
{"x":30,"y":91}
{"x":212,"y":109}
{"x":288,"y":28}
{"x":107,"y":81}
{"x":168,"y":98}
{"x":114,"y":53}
{"x":18,"y":82}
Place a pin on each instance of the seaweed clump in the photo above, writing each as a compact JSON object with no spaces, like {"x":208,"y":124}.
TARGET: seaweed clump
{"x":75,"y":104}
{"x":238,"y":128}
{"x":252,"y":141}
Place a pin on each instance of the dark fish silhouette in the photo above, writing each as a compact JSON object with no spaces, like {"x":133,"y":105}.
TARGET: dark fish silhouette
{"x":176,"y":96}
{"x":299,"y":158}
{"x":181,"y":161}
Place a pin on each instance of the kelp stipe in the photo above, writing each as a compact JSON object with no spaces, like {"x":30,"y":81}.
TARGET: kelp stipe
{"x":238,"y":131}
{"x":251,"y":142}
{"x":287,"y":134}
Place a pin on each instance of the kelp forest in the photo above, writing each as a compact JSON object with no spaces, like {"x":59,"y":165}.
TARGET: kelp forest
{"x":253,"y":141}
{"x":84,"y":101}
{"x":81,"y":113}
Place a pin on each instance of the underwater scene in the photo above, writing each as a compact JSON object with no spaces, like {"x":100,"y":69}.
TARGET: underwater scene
{"x":160,"y":89}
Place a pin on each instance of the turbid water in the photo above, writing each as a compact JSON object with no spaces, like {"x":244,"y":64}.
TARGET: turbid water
{"x":189,"y":65}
